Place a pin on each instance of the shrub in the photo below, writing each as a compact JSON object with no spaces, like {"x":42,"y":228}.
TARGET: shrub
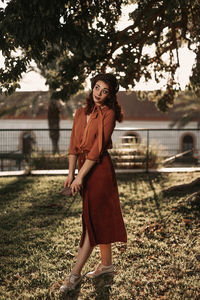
{"x":45,"y":161}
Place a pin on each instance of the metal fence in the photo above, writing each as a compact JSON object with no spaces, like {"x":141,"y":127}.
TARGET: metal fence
{"x":15,"y":144}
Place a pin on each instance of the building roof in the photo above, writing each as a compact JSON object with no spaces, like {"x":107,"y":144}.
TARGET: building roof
{"x":145,"y":110}
{"x":134,"y":109}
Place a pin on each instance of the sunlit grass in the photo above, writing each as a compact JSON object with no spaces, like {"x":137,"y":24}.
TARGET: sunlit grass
{"x":40,"y":232}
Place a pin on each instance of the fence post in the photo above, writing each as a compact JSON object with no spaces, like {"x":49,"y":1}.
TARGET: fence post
{"x":147,"y":152}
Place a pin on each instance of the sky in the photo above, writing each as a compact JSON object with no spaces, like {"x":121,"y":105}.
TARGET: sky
{"x":33,"y":81}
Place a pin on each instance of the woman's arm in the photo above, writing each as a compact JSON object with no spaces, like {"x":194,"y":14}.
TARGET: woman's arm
{"x":78,"y":182}
{"x":72,"y":164}
{"x":72,"y":152}
{"x":108,"y":127}
{"x":88,"y":164}
{"x":72,"y":167}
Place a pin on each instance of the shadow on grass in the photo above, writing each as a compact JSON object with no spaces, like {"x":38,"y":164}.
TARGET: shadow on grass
{"x":102,"y":286}
{"x":71,"y":294}
{"x":25,"y":213}
{"x":34,"y":243}
{"x":32,"y":209}
{"x":155,"y":195}
{"x":14,"y":195}
{"x":148,"y":179}
{"x":9,"y":191}
{"x":188,"y":206}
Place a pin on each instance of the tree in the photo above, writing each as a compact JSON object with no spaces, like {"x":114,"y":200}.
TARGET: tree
{"x":49,"y":49}
{"x":30,"y":104}
{"x":54,"y":107}
{"x":84,"y":36}
{"x":187,"y":109}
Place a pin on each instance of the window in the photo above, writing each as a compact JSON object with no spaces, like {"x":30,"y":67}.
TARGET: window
{"x":131,"y":137}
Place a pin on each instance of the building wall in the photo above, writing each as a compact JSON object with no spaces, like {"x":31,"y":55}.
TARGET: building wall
{"x":169,"y":142}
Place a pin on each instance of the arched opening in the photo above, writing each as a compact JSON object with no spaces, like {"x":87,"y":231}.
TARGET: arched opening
{"x":188,"y":144}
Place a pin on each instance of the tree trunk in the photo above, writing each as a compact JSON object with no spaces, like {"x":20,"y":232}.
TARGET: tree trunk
{"x":54,"y":123}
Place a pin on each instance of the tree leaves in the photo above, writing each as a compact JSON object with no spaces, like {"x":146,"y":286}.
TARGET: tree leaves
{"x":85,"y":34}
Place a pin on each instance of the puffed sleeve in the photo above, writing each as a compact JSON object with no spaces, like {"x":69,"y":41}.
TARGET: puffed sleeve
{"x":73,"y":149}
{"x":108,"y":127}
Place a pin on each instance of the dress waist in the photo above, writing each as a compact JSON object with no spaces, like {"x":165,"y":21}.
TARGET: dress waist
{"x":84,"y":153}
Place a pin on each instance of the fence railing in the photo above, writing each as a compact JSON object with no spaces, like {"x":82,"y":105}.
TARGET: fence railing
{"x":16,"y":145}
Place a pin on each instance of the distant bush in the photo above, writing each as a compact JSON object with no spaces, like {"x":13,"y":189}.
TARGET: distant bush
{"x":45,"y":161}
{"x":126,"y":156}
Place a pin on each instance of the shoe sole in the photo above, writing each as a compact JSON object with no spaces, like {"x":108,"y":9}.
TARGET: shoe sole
{"x":103,"y":273}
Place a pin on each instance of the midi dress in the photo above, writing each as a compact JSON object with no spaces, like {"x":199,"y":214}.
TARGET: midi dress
{"x":101,"y":210}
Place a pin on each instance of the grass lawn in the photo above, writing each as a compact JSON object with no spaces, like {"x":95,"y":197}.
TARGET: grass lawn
{"x":40,"y":232}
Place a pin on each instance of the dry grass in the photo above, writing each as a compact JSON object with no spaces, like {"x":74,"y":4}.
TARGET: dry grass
{"x":40,"y":232}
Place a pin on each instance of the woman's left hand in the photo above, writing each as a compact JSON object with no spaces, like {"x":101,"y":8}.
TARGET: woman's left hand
{"x":76,"y":185}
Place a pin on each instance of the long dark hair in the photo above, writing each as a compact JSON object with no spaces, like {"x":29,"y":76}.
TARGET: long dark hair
{"x":111,"y":102}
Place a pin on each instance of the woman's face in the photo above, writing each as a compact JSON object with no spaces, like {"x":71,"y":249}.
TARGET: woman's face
{"x":100,"y":92}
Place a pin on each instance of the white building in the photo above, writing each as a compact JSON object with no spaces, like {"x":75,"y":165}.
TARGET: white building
{"x":141,"y":121}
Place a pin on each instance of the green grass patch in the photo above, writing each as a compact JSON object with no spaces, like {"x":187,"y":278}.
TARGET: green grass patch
{"x":40,"y":232}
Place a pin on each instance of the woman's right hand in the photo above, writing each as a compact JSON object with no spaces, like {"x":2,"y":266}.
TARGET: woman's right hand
{"x":68,"y":180}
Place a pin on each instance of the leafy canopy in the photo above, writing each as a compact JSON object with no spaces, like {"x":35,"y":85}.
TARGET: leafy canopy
{"x":69,"y":40}
{"x":187,"y":109}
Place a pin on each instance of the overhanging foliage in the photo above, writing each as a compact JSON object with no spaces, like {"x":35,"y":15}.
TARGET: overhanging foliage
{"x":81,"y":37}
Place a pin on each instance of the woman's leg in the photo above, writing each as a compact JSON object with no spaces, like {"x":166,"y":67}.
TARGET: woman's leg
{"x":106,"y":262}
{"x":83,"y":255}
{"x":74,"y":278}
{"x":106,"y":254}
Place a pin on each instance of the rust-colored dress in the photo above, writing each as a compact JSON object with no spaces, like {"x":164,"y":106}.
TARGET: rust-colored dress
{"x":101,"y":207}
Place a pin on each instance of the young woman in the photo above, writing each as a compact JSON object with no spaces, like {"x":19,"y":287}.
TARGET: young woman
{"x":96,"y":181}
